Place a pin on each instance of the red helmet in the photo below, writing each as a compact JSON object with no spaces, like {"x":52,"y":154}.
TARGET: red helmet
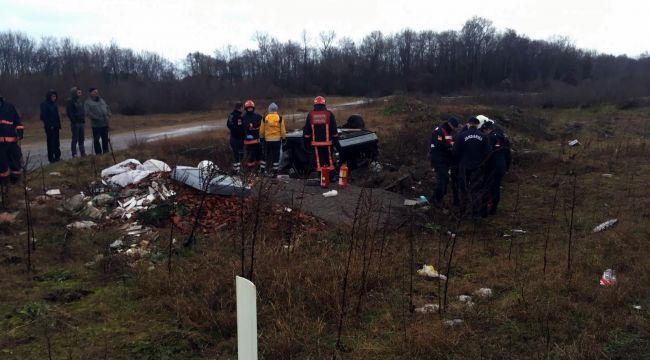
{"x":249,"y":104}
{"x":319,"y":100}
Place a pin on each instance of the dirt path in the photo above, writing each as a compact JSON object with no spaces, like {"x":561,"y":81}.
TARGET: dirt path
{"x":38,"y":150}
{"x":378,"y":206}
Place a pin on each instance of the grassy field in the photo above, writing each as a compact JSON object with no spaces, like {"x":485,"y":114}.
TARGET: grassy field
{"x":546,"y":300}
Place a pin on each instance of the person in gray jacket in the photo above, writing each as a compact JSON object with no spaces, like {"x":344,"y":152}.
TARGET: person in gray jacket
{"x":75,"y":111}
{"x":99,"y":114}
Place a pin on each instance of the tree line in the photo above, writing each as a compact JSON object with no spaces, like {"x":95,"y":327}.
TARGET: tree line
{"x":475,"y":58}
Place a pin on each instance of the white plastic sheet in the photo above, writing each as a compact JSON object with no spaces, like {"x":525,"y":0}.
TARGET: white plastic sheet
{"x":130,"y":177}
{"x":154,"y":165}
{"x":122,"y":167}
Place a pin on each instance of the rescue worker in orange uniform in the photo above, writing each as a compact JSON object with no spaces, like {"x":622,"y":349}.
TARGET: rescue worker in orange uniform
{"x":320,"y":132}
{"x":11,"y":131}
{"x":252,"y":123}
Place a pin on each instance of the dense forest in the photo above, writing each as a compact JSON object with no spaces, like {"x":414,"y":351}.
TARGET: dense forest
{"x":477,"y":58}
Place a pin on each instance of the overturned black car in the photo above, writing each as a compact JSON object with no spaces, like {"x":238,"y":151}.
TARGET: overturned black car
{"x":357,"y":147}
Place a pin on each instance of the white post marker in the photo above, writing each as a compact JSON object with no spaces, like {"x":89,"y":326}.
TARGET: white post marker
{"x":246,"y":319}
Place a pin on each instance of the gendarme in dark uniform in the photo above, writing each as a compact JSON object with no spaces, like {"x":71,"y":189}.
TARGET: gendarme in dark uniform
{"x":442,"y":159}
{"x":471,"y":149}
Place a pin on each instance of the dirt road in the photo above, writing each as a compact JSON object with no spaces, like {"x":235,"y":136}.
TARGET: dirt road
{"x":38,"y":150}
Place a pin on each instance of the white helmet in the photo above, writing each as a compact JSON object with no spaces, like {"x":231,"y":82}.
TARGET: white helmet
{"x":482,"y":119}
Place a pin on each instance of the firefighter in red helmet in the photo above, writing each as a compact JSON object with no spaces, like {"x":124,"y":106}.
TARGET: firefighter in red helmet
{"x":252,"y":122}
{"x":320,"y":132}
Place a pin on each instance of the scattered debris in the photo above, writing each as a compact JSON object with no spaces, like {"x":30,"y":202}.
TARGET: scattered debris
{"x":636,"y":307}
{"x":9,"y":247}
{"x":75,"y":203}
{"x":608,"y":175}
{"x":422,"y":200}
{"x":608,"y":278}
{"x":331,"y":193}
{"x":518,"y":231}
{"x":131,"y":171}
{"x":93,"y":212}
{"x":428,"y":309}
{"x":574,"y":142}
{"x":8,"y":218}
{"x":81,"y":225}
{"x":430,"y":272}
{"x":116,"y":244}
{"x":604,"y":226}
{"x":219,"y":183}
{"x":103,"y":200}
{"x":53,"y":192}
{"x":454,"y":322}
{"x":483,"y":293}
{"x":55,"y":173}
{"x":464,"y":298}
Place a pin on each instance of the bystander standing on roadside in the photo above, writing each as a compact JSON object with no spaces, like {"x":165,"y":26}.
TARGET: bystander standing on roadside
{"x":75,"y":112}
{"x":96,"y":109}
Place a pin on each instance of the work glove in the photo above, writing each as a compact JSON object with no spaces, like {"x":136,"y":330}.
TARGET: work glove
{"x":20,"y":134}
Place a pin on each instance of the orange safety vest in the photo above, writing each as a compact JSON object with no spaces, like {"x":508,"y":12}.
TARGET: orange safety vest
{"x":320,"y":118}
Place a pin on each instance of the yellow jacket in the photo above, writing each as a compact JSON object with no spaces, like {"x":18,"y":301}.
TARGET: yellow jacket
{"x":272,"y":128}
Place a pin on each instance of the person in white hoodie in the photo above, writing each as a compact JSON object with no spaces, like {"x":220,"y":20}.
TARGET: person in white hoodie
{"x":273,"y":133}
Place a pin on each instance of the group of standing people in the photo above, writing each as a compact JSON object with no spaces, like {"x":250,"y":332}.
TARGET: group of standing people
{"x":254,"y":138}
{"x":258,"y":139}
{"x":77,"y":110}
{"x":474,"y":158}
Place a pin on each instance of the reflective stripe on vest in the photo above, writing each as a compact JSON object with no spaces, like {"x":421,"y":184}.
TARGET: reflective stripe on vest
{"x":320,"y":118}
{"x":9,"y":139}
{"x":251,"y":142}
{"x":448,"y":138}
{"x":6,"y":122}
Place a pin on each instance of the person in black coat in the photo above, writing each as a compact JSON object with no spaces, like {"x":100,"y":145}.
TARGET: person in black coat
{"x":471,"y":149}
{"x":498,"y":164}
{"x":52,"y":124}
{"x":75,"y":111}
{"x":237,"y":129}
{"x":442,"y":159}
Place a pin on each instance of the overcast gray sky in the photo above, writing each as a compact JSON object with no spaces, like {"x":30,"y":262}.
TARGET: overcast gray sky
{"x":175,"y":28}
